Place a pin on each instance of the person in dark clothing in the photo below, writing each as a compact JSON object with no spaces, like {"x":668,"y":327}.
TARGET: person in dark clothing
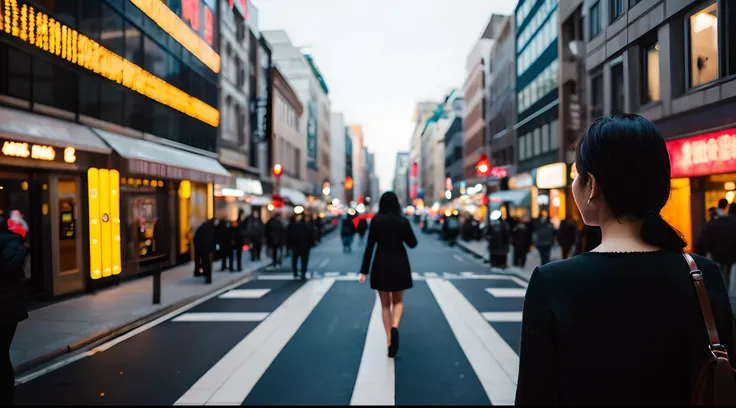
{"x":718,"y":238}
{"x":586,"y":320}
{"x":12,"y":262}
{"x":253,"y":232}
{"x":499,"y":239}
{"x":275,"y":237}
{"x":722,"y":207}
{"x":317,"y":225}
{"x":391,"y":272}
{"x":301,"y":239}
{"x":347,"y":231}
{"x":566,"y":236}
{"x":239,"y":239}
{"x":521,"y":241}
{"x":204,"y":249}
{"x":225,"y":240}
{"x":544,"y":239}
{"x":362,"y":228}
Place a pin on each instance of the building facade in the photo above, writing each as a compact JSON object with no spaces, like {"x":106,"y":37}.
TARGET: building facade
{"x":348,"y":183}
{"x":401,"y":178}
{"x":501,"y":110}
{"x":337,"y":156}
{"x":288,"y":143}
{"x":671,"y":62}
{"x":359,"y":181}
{"x":111,"y":172}
{"x":422,"y":112}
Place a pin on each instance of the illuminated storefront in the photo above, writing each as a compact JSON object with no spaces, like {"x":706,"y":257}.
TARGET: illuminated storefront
{"x":552,"y":183}
{"x":703,"y":172}
{"x":522,"y":203}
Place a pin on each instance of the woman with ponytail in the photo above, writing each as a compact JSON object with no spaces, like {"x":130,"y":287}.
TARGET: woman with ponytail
{"x":619,"y":325}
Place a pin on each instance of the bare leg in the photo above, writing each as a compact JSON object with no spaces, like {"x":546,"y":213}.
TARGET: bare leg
{"x":386,"y":313}
{"x":397,"y":299}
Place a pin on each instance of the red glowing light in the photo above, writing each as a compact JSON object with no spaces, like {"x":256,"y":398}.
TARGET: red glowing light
{"x":348,"y":182}
{"x":483,"y":168}
{"x":277,"y":170}
{"x":499,"y":172}
{"x":190,"y":12}
{"x":208,"y":25}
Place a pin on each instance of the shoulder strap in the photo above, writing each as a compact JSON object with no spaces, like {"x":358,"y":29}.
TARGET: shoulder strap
{"x":710,"y":324}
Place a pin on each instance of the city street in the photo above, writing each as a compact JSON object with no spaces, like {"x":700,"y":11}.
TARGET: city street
{"x":273,"y":340}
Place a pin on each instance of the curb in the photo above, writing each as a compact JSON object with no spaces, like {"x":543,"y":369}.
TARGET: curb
{"x":467,"y":249}
{"x":109,"y":334}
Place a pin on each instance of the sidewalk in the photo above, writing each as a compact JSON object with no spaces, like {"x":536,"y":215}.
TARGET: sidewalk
{"x":480,"y":249}
{"x":66,"y":326}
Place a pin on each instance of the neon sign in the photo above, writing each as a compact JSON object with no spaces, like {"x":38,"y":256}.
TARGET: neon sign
{"x":242,"y":6}
{"x":23,"y":150}
{"x":178,"y":29}
{"x":37,"y":28}
{"x":702,"y":155}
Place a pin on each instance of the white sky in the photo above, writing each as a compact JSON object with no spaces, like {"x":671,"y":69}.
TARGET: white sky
{"x":379,"y":57}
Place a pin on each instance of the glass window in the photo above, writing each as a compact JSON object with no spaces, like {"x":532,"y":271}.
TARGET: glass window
{"x":15,"y":71}
{"x":154,"y":59}
{"x":617,"y":87}
{"x":651,"y":91}
{"x":89,"y":20}
{"x":554,"y":141}
{"x":89,"y":96}
{"x":633,"y":3}
{"x":545,"y":138}
{"x":112,"y":36}
{"x":537,"y":141}
{"x":617,"y":8}
{"x":133,"y":44}
{"x":528,"y":145}
{"x":521,"y":147}
{"x":704,"y":45}
{"x":54,"y":86}
{"x":133,"y":13}
{"x":111,"y":102}
{"x":596,"y":95}
{"x":595,"y":20}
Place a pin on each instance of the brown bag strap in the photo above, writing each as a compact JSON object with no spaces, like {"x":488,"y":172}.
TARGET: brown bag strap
{"x":710,"y":324}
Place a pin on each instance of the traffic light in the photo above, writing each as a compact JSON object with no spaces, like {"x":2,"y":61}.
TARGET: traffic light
{"x":348,"y":182}
{"x":483,"y":168}
{"x":277,"y":170}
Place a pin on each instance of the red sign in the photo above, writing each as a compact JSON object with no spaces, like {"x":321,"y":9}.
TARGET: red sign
{"x":711,"y":153}
{"x":414,"y":170}
{"x":499,"y":172}
{"x":190,"y":12}
{"x":242,"y":6}
{"x":209,"y":25}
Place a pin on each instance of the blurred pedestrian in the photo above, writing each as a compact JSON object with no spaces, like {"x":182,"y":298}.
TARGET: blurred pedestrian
{"x":347,"y":231}
{"x":499,"y":241}
{"x":718,"y":238}
{"x":12,"y":261}
{"x":275,"y":237}
{"x":239,"y":239}
{"x":521,"y":241}
{"x":301,"y":238}
{"x":722,"y":207}
{"x":204,"y":249}
{"x":544,"y":239}
{"x":225,"y":241}
{"x":566,"y":236}
{"x":254,"y":235}
{"x":391,"y":272}
{"x":362,"y":228}
{"x":585,"y":318}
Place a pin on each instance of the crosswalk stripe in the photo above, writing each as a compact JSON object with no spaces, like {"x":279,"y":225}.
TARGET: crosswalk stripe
{"x":506,"y":292}
{"x":467,"y":273}
{"x":459,"y":258}
{"x":232,"y":378}
{"x":415,"y":275}
{"x":331,"y":274}
{"x":220,"y":317}
{"x":245,"y":294}
{"x":430,"y":274}
{"x":351,"y":274}
{"x":281,"y":276}
{"x":375,"y":384}
{"x":495,"y":363}
{"x":448,"y":274}
{"x":502,"y":316}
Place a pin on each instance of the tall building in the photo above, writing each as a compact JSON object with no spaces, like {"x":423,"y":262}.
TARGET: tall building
{"x":573,"y":79}
{"x":477,"y":68}
{"x":453,"y":167}
{"x":337,"y":153}
{"x":348,"y":167}
{"x":310,"y":86}
{"x":359,"y":182}
{"x":401,"y":178}
{"x":501,"y":111}
{"x":672,"y":62}
{"x":422,"y":112}
{"x":107,"y":168}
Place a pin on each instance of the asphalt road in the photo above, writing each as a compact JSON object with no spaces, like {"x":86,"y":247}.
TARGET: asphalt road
{"x":273,"y":340}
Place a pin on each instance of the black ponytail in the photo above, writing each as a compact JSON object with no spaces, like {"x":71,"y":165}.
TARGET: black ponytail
{"x":659,"y":233}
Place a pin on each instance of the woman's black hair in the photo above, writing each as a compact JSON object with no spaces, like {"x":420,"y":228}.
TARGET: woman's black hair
{"x":629,"y":159}
{"x":389,"y":204}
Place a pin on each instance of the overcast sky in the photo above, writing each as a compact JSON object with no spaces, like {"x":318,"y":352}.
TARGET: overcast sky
{"x":379,"y":57}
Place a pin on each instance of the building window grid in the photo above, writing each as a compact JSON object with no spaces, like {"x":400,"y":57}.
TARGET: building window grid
{"x":651,"y":91}
{"x":617,"y":87}
{"x":539,"y":87}
{"x":595,"y":19}
{"x":616,"y":9}
{"x":704,"y":44}
{"x":542,"y":40}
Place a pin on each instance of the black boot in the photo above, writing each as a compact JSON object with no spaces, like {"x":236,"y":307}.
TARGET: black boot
{"x":394,"y":342}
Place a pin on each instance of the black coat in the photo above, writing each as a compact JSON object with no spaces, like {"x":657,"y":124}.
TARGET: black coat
{"x":391,"y":271}
{"x":275,"y":232}
{"x":301,"y":236}
{"x":719,"y":239}
{"x":12,"y":262}
{"x":204,"y":237}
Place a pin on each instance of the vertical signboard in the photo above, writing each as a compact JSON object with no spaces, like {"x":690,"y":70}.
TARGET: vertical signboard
{"x":312,"y":135}
{"x":200,"y":15}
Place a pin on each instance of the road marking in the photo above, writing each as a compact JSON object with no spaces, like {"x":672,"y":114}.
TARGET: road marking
{"x":507,"y":292}
{"x":495,"y":363}
{"x":520,"y":282}
{"x":351,"y":274}
{"x":331,"y":274}
{"x":459,"y":258}
{"x":281,"y":276}
{"x":324,"y":263}
{"x":375,"y":384}
{"x":449,"y":275}
{"x":415,"y":275}
{"x":220,"y":317}
{"x":245,"y":294}
{"x":502,"y":316}
{"x":467,"y":273}
{"x":233,"y":377}
{"x":430,"y":274}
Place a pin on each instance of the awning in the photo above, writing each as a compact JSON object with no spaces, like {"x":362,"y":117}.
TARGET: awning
{"x":153,"y":159}
{"x":32,"y":128}
{"x":294,"y":196}
{"x":514,"y":197}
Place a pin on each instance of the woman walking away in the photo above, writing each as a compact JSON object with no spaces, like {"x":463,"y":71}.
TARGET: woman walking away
{"x":623,"y":324}
{"x":391,"y":273}
{"x":12,"y":260}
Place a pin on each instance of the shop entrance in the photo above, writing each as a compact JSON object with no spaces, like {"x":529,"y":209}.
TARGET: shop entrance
{"x":67,"y":250}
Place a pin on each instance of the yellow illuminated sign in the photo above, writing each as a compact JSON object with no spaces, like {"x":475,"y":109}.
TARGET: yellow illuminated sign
{"x":16,"y":149}
{"x":38,"y":152}
{"x":43,"y":152}
{"x":37,"y":28}
{"x":210,"y":201}
{"x":104,"y":222}
{"x":178,"y":29}
{"x":70,"y":155}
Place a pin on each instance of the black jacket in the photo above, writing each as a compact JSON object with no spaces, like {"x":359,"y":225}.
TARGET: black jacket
{"x":275,"y":232}
{"x":391,"y":271}
{"x":204,"y":237}
{"x":347,"y":228}
{"x":617,"y":329}
{"x":362,"y":226}
{"x":301,"y":236}
{"x":719,"y":239}
{"x":12,"y":262}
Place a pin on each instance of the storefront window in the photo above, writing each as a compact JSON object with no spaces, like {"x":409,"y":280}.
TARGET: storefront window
{"x":677,"y":210}
{"x":143,"y":219}
{"x":718,"y":187}
{"x":652,"y":71}
{"x":704,"y":45}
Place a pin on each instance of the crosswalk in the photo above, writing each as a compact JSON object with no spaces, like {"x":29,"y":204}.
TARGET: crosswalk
{"x":274,"y":340}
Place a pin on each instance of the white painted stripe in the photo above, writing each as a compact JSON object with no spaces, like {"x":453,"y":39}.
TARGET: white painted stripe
{"x":245,"y":294}
{"x":234,"y":376}
{"x":459,"y":258}
{"x":502,"y":316}
{"x":375,"y":384}
{"x":281,"y":276}
{"x":495,"y":363}
{"x":347,"y":278}
{"x":520,"y":282}
{"x":352,"y":274}
{"x":331,"y":274}
{"x":449,"y":275}
{"x":415,"y":275}
{"x":324,"y":263}
{"x":430,"y":274}
{"x":507,"y":292}
{"x":220,"y":317}
{"x":467,"y":273}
